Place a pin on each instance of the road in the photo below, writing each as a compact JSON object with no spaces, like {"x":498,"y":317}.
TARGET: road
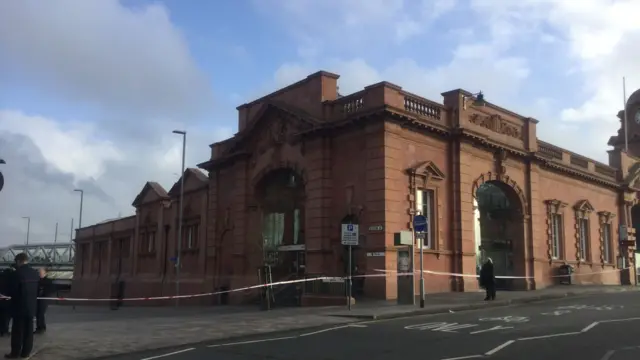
{"x":597,"y":327}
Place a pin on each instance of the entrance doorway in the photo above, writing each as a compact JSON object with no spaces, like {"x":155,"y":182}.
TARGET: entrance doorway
{"x":281,"y":197}
{"x":501,"y":228}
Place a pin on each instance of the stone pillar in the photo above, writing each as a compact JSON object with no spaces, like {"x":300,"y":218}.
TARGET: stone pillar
{"x":463,"y":220}
{"x":240,"y":245}
{"x":318,"y":204}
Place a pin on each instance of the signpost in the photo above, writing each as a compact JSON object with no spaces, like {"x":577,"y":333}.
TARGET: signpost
{"x":350,"y":235}
{"x":420,"y":227}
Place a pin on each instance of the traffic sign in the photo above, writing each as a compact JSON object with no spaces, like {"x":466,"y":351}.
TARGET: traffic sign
{"x":350,"y":234}
{"x":420,"y":223}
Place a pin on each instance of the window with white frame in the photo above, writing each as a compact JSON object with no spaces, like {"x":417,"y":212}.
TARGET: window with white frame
{"x":607,"y":254}
{"x":425,"y":205}
{"x":555,"y":229}
{"x":583,"y":234}
{"x":557,"y":236}
{"x":583,"y":209}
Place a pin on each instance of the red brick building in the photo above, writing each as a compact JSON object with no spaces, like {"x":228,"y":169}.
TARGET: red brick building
{"x":306,"y":159}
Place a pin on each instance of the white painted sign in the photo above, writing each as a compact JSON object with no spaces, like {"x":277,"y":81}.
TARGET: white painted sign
{"x":376,"y":228}
{"x":375,"y":254}
{"x":350,"y":234}
{"x":440,"y":326}
{"x":508,"y":319}
{"x":453,"y":327}
{"x":296,"y":247}
{"x":567,"y":309}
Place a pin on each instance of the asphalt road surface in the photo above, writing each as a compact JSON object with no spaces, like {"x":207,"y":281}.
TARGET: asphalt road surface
{"x":596,"y":327}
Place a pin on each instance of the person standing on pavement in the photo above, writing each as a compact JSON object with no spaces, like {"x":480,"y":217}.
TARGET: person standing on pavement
{"x":45,"y":289}
{"x":488,"y":280}
{"x":23,"y":290}
{"x":5,"y":315}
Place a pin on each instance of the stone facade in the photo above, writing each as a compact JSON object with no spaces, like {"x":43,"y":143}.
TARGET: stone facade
{"x":375,"y":158}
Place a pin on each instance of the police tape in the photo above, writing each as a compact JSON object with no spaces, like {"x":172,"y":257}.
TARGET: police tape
{"x":186,"y":296}
{"x":441,"y":273}
{"x":380,"y":273}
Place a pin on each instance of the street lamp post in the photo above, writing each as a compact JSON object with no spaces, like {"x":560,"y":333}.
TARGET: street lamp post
{"x":28,"y":227}
{"x":81,"y":203}
{"x":180,"y":213}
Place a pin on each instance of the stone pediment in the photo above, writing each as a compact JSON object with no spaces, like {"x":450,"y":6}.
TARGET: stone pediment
{"x":428,"y":169}
{"x":194,"y":179}
{"x":273,"y":125}
{"x":583,"y":206}
{"x":151,"y":192}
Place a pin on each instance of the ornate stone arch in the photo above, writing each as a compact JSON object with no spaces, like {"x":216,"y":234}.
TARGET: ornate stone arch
{"x":509,"y":183}
{"x":278,"y":165}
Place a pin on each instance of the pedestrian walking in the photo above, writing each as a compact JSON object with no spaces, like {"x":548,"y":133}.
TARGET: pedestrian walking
{"x":488,"y":280}
{"x":23,"y":290}
{"x":45,"y":289}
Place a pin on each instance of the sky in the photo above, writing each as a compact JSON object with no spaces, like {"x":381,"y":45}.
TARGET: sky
{"x":90,"y":91}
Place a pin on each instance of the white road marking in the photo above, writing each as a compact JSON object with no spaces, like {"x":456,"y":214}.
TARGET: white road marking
{"x":608,"y":355}
{"x":440,"y":326}
{"x":590,"y":327}
{"x":498,"y":348}
{"x":325,"y":330}
{"x":548,"y":336}
{"x":169,"y":354}
{"x":249,"y":342}
{"x":620,"y":320}
{"x":465,"y":357}
{"x":358,"y":326}
{"x":492,"y":329}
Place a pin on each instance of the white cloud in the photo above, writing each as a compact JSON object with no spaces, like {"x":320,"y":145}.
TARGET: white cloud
{"x":133,"y":70}
{"x":516,"y":52}
{"x":104,"y":54}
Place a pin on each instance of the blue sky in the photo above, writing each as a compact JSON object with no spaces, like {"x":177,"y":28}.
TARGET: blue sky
{"x":90,"y":90}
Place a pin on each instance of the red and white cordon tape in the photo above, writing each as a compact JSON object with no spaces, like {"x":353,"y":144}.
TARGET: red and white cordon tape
{"x":497,"y":277}
{"x":381,"y":273}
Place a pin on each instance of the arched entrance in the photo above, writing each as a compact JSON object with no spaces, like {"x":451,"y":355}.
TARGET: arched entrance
{"x":501,"y":226}
{"x":280,"y":195}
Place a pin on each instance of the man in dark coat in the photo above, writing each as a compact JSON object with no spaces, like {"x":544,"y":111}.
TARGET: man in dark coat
{"x":488,"y":280}
{"x":23,"y":289}
{"x":45,"y":289}
{"x":5,"y":315}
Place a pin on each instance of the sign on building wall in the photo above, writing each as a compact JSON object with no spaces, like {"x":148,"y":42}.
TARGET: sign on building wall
{"x":350,"y":234}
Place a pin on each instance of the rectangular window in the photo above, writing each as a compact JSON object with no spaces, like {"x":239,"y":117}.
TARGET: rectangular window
{"x":273,"y":229}
{"x":606,"y":246}
{"x":190,"y":237}
{"x":151,"y":241}
{"x":557,"y":238}
{"x":583,"y":228}
{"x":425,"y":205}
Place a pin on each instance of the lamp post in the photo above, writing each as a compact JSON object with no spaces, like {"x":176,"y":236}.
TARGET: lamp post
{"x":81,"y":203}
{"x":28,"y":227}
{"x":179,"y":245}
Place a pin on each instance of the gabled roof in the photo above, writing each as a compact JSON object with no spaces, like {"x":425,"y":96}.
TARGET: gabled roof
{"x":150,"y":186}
{"x":189,"y":174}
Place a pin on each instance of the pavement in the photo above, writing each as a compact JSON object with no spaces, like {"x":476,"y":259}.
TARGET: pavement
{"x":590,"y":327}
{"x":90,"y":332}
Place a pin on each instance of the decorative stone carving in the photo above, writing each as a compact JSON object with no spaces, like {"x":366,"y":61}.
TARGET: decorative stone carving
{"x":491,"y":176}
{"x":496,"y":124}
{"x":582,"y":209}
{"x":421,"y":176}
{"x":605,"y":217}
{"x":554,"y":207}
{"x":500,"y":157}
